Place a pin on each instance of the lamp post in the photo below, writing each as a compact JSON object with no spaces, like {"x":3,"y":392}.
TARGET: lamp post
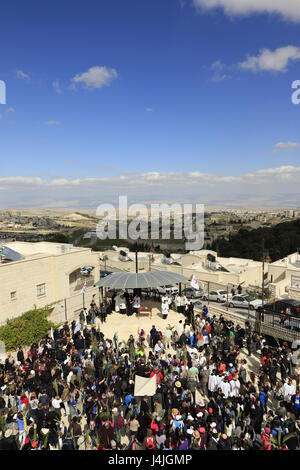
{"x":227,"y":295}
{"x":265,"y":257}
{"x":208,"y":292}
{"x":136,"y":258}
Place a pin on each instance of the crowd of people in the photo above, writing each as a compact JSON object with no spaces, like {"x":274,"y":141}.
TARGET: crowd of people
{"x":75,"y":389}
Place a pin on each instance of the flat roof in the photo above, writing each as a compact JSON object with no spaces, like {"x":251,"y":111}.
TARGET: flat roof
{"x":34,"y":250}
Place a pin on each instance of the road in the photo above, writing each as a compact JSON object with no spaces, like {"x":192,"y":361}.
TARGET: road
{"x":240,"y":311}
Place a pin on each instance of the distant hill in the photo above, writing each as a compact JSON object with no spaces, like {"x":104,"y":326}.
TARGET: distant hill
{"x":279,"y":241}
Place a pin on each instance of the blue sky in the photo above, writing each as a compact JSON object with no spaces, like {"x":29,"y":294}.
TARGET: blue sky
{"x":161,"y":92}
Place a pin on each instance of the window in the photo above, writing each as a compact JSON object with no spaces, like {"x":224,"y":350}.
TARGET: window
{"x":295,"y":282}
{"x":13,"y":295}
{"x":41,"y":290}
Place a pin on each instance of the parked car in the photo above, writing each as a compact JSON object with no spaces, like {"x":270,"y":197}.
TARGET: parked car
{"x":173,"y":290}
{"x":217,"y":296}
{"x":245,"y":301}
{"x":281,"y":306}
{"x":192,"y":293}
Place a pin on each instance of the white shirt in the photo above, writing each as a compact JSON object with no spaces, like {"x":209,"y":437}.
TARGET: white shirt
{"x":187,"y":330}
{"x":168,"y":334}
{"x":158,"y":348}
{"x":288,"y":392}
{"x":56,"y":403}
{"x":165,"y":308}
{"x":235,"y":388}
{"x":212,"y":383}
{"x":225,"y":386}
{"x":202,"y":360}
{"x":184,"y":300}
{"x":179,"y":329}
{"x":136,"y":302}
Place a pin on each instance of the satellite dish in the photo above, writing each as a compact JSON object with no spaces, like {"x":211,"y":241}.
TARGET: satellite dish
{"x":123,"y":256}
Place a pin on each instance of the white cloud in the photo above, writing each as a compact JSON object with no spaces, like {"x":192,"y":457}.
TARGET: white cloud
{"x":22,"y":75}
{"x":272,"y":61}
{"x":95,"y":78}
{"x":219,"y":71}
{"x":52,"y":122}
{"x":275,"y":186}
{"x":217,"y":65}
{"x":20,"y":180}
{"x":56,"y":86}
{"x":162,"y":178}
{"x":10,"y":110}
{"x":288,"y":9}
{"x":149,"y":110}
{"x":287,"y":145}
{"x":217,"y":77}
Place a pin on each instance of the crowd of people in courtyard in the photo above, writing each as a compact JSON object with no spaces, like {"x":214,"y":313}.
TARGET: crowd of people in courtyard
{"x":220,"y":386}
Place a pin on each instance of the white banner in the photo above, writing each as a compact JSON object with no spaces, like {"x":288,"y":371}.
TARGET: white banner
{"x":144,"y":387}
{"x":194,"y":282}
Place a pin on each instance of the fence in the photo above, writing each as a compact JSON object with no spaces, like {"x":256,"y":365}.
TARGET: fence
{"x":68,"y":309}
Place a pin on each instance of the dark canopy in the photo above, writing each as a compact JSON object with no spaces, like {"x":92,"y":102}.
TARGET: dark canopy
{"x":141,"y":280}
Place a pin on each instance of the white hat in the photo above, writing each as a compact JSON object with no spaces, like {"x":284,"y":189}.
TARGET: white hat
{"x":190,"y":430}
{"x":199,"y":415}
{"x":213,"y":425}
{"x":190,"y":418}
{"x":178,"y":417}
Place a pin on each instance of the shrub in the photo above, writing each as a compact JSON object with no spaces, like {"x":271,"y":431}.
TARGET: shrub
{"x":24,"y":330}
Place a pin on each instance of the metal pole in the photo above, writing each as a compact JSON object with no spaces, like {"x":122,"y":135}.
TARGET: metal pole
{"x":263,"y":281}
{"x":136,"y":262}
{"x":66,"y":313}
{"x":227,"y":298}
{"x":263,"y":275}
{"x":83,"y":300}
{"x":208,"y":292}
